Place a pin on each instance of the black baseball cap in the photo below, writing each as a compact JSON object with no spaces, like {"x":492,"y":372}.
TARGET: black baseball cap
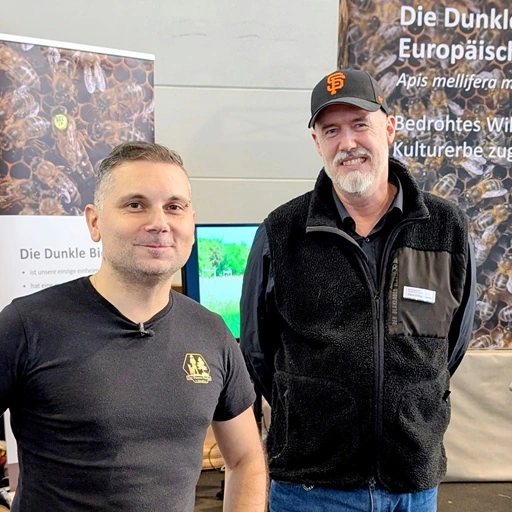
{"x":347,"y":87}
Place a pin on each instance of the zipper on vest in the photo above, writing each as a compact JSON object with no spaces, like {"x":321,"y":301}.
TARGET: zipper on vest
{"x":379,"y":391}
{"x":371,"y":488}
{"x":379,"y":346}
{"x":379,"y":370}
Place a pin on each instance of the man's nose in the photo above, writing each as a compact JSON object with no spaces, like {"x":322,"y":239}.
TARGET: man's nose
{"x":347,"y":140}
{"x":157,"y":220}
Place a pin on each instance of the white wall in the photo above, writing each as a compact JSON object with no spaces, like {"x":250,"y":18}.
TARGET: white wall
{"x":232,"y":85}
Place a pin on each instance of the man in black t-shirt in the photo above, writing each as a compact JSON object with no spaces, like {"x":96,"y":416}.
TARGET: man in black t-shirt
{"x":113,"y":380}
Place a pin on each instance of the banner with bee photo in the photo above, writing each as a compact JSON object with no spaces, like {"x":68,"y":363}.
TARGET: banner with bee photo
{"x":446,"y":70}
{"x":63,"y":107}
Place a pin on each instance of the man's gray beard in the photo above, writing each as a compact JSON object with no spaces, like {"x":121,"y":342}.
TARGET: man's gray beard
{"x":356,"y":183}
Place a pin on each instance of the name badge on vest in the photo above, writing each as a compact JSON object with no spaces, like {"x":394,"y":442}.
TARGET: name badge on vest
{"x":420,"y":294}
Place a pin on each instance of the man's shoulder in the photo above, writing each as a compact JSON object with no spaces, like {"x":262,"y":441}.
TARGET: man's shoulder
{"x":192,"y":309}
{"x":58,"y":293}
{"x":295,"y":205}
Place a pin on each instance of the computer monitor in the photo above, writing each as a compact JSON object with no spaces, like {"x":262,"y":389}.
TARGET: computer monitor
{"x":214,"y":272}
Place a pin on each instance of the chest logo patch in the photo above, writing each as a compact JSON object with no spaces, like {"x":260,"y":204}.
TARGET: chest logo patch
{"x":197,"y":369}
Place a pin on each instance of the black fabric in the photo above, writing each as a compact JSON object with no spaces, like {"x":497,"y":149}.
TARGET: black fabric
{"x":259,"y":332}
{"x":349,"y":400}
{"x":105,"y":419}
{"x":374,"y":243}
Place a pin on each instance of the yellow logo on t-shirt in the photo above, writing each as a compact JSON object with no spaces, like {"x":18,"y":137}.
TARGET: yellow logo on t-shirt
{"x":197,"y":369}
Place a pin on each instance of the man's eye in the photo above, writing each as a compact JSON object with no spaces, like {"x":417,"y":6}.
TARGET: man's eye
{"x":176,"y":207}
{"x":134,"y":206}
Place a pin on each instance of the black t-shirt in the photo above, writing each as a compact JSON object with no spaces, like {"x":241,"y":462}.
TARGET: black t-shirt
{"x":108,"y":420}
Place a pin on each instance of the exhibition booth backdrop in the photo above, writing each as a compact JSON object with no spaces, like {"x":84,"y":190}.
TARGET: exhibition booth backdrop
{"x":446,"y":72}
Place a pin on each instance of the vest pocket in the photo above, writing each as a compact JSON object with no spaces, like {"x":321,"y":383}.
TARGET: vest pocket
{"x":424,"y":408}
{"x":414,"y":443}
{"x":313,"y":424}
{"x":425,"y":290}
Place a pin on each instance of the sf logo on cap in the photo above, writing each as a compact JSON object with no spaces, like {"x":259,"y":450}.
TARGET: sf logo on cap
{"x":335,"y":82}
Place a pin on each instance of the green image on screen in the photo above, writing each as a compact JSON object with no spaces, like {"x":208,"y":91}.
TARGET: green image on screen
{"x":222,"y":253}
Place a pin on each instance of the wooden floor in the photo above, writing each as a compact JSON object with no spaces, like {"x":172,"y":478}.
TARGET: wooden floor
{"x":453,"y":497}
{"x":208,"y":487}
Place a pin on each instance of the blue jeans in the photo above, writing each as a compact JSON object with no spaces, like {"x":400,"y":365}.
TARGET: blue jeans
{"x":287,"y":497}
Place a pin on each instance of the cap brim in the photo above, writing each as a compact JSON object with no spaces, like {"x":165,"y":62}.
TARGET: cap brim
{"x":370,"y":106}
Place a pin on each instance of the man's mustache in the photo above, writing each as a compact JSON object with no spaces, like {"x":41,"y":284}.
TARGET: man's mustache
{"x":341,"y":155}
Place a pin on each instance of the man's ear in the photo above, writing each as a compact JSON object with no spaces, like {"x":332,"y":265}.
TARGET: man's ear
{"x":91,"y":217}
{"x":317,"y":145}
{"x":391,"y":128}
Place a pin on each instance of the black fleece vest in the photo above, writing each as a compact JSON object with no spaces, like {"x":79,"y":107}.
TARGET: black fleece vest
{"x":361,"y":383}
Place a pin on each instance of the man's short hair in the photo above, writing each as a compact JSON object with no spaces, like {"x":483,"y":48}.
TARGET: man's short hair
{"x":131,"y":152}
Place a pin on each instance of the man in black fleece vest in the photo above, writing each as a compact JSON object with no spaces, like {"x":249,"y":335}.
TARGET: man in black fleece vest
{"x":357,"y":307}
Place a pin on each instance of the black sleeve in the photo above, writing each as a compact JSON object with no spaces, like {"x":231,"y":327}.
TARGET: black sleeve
{"x":13,"y":355}
{"x":257,"y":338}
{"x":462,"y":324}
{"x":238,"y":393}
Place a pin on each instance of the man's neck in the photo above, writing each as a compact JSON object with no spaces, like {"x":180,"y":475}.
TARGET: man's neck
{"x":367,"y":211}
{"x":136,"y":301}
